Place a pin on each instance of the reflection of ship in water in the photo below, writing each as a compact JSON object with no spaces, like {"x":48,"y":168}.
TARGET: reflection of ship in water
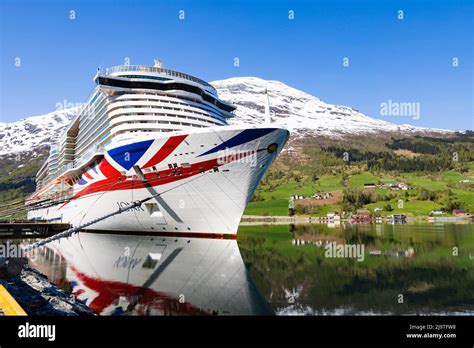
{"x":140,"y":275}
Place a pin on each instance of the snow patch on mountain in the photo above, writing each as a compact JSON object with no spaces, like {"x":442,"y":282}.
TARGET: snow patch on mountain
{"x":33,"y":132}
{"x":300,"y":112}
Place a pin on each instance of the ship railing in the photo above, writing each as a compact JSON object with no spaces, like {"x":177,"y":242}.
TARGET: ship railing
{"x":153,"y":69}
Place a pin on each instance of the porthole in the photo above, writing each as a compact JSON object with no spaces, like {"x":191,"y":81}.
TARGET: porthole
{"x":272,"y":148}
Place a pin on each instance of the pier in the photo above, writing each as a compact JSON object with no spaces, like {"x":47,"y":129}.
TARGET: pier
{"x":17,"y":229}
{"x":8,"y":305}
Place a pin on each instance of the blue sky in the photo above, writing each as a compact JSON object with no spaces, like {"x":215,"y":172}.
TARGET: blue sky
{"x":407,"y":60}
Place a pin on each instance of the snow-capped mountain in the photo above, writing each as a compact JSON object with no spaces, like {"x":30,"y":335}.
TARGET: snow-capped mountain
{"x":34,"y":132}
{"x":300,"y":112}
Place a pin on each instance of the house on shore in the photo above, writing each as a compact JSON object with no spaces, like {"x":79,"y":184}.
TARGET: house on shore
{"x":322,"y":195}
{"x":387,"y":185}
{"x":296,"y":197}
{"x":333,"y":216}
{"x":398,"y":219}
{"x":363,"y":212}
{"x":437,"y":212}
{"x":402,"y":186}
{"x":460,"y":212}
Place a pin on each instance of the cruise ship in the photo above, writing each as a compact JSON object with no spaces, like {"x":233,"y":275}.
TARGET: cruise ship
{"x":162,"y":138}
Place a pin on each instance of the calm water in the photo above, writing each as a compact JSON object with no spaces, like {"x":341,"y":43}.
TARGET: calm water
{"x":282,"y":269}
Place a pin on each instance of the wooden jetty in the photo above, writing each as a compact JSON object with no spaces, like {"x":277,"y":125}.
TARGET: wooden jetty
{"x":8,"y":305}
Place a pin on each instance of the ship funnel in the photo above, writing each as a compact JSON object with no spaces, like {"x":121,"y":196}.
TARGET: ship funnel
{"x":267,"y":108}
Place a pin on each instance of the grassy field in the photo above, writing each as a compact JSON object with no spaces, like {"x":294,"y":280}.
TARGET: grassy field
{"x":275,"y":197}
{"x":359,"y":180}
{"x":268,"y":207}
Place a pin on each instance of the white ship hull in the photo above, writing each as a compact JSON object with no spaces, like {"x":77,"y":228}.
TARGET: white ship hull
{"x":199,"y":182}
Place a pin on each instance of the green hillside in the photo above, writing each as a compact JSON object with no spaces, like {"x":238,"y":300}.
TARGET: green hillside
{"x":439,"y":173}
{"x":17,"y":178}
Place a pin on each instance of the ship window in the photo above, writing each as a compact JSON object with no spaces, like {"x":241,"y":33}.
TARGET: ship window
{"x":154,"y":168}
{"x":170,"y":166}
{"x":175,"y":165}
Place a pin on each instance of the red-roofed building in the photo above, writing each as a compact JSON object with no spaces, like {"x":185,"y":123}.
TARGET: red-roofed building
{"x":459,"y":212}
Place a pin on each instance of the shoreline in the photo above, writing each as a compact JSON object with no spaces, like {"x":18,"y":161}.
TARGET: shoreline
{"x":35,"y":293}
{"x":324,"y":220}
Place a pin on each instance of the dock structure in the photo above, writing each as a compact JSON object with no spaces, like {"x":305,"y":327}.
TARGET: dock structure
{"x":17,"y":229}
{"x":8,"y":305}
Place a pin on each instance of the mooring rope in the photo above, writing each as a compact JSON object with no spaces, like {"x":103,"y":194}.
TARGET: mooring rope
{"x":77,"y":229}
{"x":73,"y":230}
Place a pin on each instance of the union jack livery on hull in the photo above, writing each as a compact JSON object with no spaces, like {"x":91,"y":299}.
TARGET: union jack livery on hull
{"x":161,"y":137}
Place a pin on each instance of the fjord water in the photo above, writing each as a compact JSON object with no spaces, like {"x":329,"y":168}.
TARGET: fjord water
{"x":407,"y":269}
{"x":271,"y":269}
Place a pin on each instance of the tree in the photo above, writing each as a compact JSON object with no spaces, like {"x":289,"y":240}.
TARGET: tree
{"x":257,"y":197}
{"x":426,"y":195}
{"x":355,"y":198}
{"x":463,"y":169}
{"x":451,"y":205}
{"x":299,"y":209}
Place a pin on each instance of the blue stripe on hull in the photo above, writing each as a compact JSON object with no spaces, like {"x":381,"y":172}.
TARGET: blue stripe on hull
{"x":241,"y":138}
{"x":129,"y":154}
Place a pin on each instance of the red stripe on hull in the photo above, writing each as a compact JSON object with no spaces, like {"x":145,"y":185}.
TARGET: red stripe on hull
{"x":108,"y":170}
{"x":185,"y":234}
{"x":170,"y":145}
